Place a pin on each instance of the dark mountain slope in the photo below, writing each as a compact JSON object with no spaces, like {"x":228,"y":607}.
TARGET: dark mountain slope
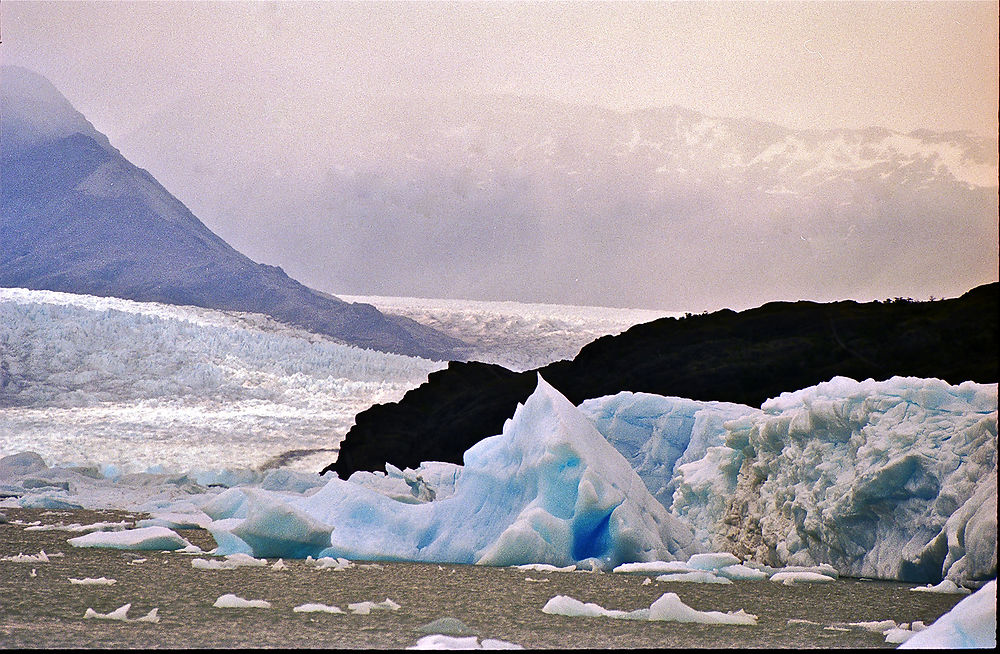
{"x":76,"y":216}
{"x":743,"y":357}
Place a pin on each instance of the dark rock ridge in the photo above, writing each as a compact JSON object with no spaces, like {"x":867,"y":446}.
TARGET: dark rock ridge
{"x":77,"y":217}
{"x":744,"y":357}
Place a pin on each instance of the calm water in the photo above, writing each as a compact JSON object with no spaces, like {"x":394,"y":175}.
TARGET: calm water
{"x":47,"y":611}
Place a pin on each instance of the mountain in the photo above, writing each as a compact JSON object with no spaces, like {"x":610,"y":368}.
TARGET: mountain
{"x":533,"y":200}
{"x":744,"y":357}
{"x":76,"y":216}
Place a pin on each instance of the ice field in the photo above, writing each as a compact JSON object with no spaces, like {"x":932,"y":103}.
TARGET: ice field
{"x":101,"y":381}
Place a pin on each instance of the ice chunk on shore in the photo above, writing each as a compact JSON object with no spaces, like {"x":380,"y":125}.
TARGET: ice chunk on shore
{"x":549,"y":489}
{"x":231,"y":601}
{"x":668,"y":607}
{"x":144,"y":538}
{"x":972,"y":623}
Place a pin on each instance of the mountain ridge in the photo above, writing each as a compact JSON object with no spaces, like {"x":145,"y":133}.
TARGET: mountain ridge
{"x":464,"y":199}
{"x":79,"y":217}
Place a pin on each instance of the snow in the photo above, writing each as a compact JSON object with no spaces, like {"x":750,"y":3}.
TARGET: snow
{"x":549,"y":489}
{"x":972,"y":623}
{"x":144,"y":538}
{"x":668,"y":607}
{"x":231,"y":601}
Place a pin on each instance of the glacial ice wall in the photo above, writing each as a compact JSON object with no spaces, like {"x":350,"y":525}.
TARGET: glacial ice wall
{"x":548,"y":489}
{"x":140,"y":383}
{"x":656,"y":433}
{"x":893,"y":479}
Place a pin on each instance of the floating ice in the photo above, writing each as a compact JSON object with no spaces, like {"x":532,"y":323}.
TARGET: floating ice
{"x":653,"y":566}
{"x":41,"y":557}
{"x":329,"y":563}
{"x":740,"y":572}
{"x":696,"y":577}
{"x":364,"y":608}
{"x":121,"y":614}
{"x":792,"y":578}
{"x":442,"y":642}
{"x":144,"y":538}
{"x":317,"y":608}
{"x":448,"y":626}
{"x":668,"y":607}
{"x":231,"y":601}
{"x":549,"y":489}
{"x":230,"y":562}
{"x":90,"y":581}
{"x":946,"y":586}
{"x":78,"y":528}
{"x":972,"y":623}
{"x":711,"y":561}
{"x":546,"y":567}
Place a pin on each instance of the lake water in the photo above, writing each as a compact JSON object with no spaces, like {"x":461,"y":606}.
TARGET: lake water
{"x":46,"y":610}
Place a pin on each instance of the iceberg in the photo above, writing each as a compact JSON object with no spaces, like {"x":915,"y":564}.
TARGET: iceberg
{"x":668,"y":608}
{"x":890,"y":479}
{"x":972,"y":623}
{"x":548,"y":489}
{"x":144,"y":538}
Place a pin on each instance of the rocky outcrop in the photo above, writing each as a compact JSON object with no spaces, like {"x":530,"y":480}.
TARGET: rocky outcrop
{"x":744,"y":357}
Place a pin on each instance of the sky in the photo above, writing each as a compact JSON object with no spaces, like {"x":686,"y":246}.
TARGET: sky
{"x":228,"y":68}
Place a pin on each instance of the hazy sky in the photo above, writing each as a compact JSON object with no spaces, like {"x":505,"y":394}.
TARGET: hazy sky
{"x":901,"y":65}
{"x":201,"y":93}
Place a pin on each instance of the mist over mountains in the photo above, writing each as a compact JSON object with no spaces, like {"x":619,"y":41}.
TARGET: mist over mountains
{"x":529,"y":199}
{"x":78,"y":217}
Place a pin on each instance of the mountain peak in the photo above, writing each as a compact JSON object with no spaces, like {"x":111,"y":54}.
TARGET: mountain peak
{"x":34,"y":111}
